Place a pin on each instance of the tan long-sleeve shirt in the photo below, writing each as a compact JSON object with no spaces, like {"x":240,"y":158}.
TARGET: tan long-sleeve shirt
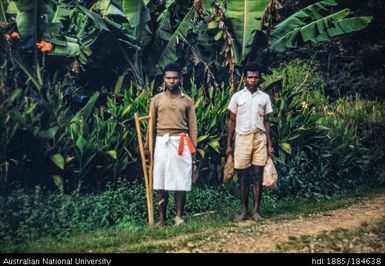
{"x":174,"y":116}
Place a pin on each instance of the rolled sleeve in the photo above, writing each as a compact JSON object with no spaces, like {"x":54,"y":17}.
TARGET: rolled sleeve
{"x":233,"y":104}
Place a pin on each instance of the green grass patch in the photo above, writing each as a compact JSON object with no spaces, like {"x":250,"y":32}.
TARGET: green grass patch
{"x":130,"y":237}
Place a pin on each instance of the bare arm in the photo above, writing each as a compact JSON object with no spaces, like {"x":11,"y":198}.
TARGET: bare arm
{"x":266,"y":122}
{"x":192,"y":125}
{"x":193,"y":128}
{"x":231,"y":120}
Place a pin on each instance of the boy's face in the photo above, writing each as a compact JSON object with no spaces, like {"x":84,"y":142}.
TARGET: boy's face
{"x":171,"y":80}
{"x":252,"y":79}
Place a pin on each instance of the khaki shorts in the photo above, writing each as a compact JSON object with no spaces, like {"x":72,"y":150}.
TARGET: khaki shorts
{"x":250,"y":150}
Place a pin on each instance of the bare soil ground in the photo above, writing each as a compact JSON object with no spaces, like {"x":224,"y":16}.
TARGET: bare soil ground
{"x":263,"y":237}
{"x":269,"y":236}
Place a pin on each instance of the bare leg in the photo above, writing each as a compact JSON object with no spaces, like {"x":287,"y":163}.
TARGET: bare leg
{"x":244,"y":191}
{"x":162,"y":205}
{"x":257,"y":172}
{"x":180,"y":199}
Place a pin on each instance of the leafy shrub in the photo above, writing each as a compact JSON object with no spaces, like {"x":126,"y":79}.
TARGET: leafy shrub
{"x":30,"y":215}
{"x":203,"y":199}
{"x":319,"y":153}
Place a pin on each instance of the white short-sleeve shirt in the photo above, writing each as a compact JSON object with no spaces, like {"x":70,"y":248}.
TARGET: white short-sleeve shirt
{"x":250,"y":110}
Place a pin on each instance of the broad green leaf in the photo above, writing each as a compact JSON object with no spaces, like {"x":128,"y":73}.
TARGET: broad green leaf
{"x":112,"y":153}
{"x":58,"y":181}
{"x":81,"y":143}
{"x":62,"y":12}
{"x":3,"y":17}
{"x":202,"y":138}
{"x":215,"y":145}
{"x":65,"y":48}
{"x":26,"y":70}
{"x":202,"y":152}
{"x":301,"y":18}
{"x":35,"y":18}
{"x":87,"y":109}
{"x":108,"y":7}
{"x":119,"y":83}
{"x":286,"y":147}
{"x":168,"y":54}
{"x":300,"y":30}
{"x":14,"y":95}
{"x":133,"y":9}
{"x":52,"y":132}
{"x":11,"y":9}
{"x":164,"y":30}
{"x":58,"y":160}
{"x":113,"y":10}
{"x":96,"y":18}
{"x":244,"y":17}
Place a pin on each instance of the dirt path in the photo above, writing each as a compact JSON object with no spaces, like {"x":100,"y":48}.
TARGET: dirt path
{"x":264,"y":237}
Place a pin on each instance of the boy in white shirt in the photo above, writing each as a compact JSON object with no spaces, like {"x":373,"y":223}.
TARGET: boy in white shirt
{"x":248,"y":120}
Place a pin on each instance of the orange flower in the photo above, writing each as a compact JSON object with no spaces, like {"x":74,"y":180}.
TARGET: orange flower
{"x":15,"y":35}
{"x":44,"y":46}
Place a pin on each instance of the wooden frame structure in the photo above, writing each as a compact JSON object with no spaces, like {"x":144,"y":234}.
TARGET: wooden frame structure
{"x":147,"y":169}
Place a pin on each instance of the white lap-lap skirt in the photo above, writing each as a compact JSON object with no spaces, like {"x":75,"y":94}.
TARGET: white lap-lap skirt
{"x":171,"y":171}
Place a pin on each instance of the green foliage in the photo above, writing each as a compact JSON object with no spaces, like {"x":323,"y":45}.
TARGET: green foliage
{"x":245,"y":18}
{"x":205,"y":199}
{"x":319,"y":153}
{"x":211,"y":111}
{"x":357,"y":132}
{"x":30,"y":215}
{"x":310,"y":24}
{"x":82,"y":150}
{"x":127,"y":37}
{"x":126,"y":236}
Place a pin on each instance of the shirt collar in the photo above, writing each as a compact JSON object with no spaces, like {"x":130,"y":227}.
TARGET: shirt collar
{"x":255,"y":93}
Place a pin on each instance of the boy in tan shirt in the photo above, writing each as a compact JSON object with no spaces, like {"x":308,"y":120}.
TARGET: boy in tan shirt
{"x":175,"y":134}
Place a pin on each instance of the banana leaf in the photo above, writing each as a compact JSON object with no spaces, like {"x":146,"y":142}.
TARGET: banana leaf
{"x":34,"y":18}
{"x":133,"y":9}
{"x":301,"y":18}
{"x":164,"y":30}
{"x":169,"y":53}
{"x":96,"y":18}
{"x":3,"y":17}
{"x":244,"y":18}
{"x":297,"y":30}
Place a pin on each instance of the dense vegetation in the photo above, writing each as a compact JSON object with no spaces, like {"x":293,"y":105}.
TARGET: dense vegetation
{"x":68,"y":149}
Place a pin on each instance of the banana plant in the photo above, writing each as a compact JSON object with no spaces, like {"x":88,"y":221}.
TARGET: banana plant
{"x":214,"y":35}
{"x":129,"y":21}
{"x":245,"y":19}
{"x":246,"y":31}
{"x":313,"y":25}
{"x":3,"y":17}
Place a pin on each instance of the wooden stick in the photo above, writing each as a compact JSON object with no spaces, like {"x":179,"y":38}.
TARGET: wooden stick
{"x":150,"y":170}
{"x":146,"y":177}
{"x":144,"y":117}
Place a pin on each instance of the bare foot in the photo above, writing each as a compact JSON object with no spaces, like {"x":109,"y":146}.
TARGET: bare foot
{"x":242,"y":217}
{"x":179,"y":221}
{"x":159,"y":224}
{"x":257,"y":217}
